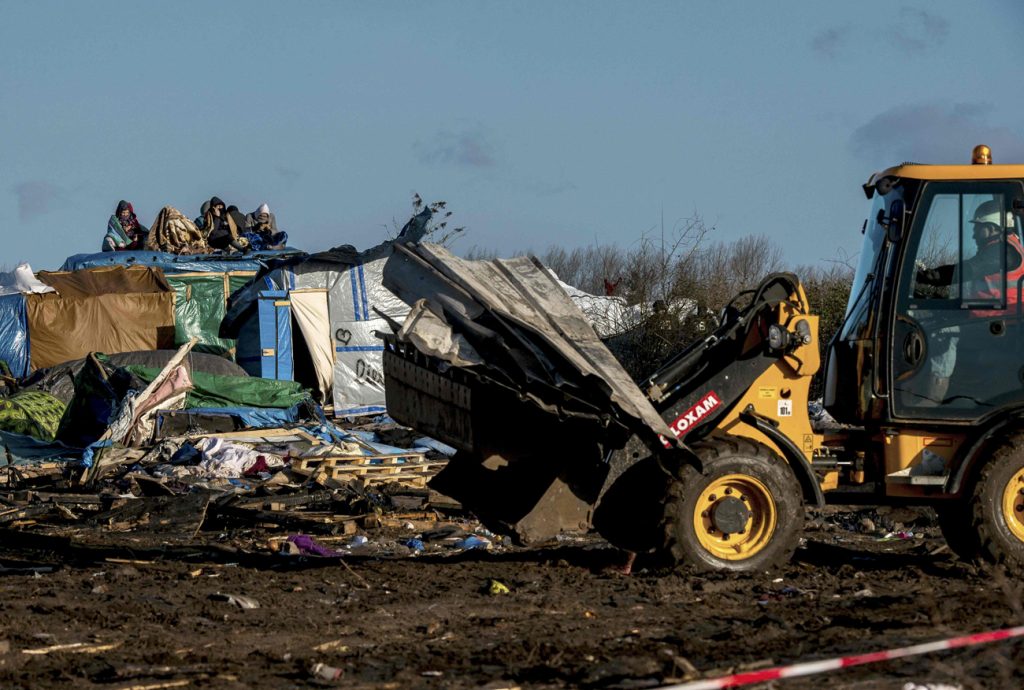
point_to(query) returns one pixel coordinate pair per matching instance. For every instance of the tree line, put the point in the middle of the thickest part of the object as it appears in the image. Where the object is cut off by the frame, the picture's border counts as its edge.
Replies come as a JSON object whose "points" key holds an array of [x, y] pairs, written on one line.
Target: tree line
{"points": [[680, 280]]}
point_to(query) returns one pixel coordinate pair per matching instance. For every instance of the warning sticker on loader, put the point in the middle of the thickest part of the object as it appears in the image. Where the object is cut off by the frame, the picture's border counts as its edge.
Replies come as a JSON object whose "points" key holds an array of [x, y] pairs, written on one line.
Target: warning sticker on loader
{"points": [[766, 392], [785, 408]]}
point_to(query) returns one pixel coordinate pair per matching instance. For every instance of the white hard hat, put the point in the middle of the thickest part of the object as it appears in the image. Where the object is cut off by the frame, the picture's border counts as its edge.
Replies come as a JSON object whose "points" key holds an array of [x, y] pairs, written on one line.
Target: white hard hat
{"points": [[991, 212]]}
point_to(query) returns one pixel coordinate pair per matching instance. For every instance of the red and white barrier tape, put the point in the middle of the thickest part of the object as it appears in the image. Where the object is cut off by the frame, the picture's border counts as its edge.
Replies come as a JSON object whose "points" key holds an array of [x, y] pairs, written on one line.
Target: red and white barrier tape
{"points": [[812, 667]]}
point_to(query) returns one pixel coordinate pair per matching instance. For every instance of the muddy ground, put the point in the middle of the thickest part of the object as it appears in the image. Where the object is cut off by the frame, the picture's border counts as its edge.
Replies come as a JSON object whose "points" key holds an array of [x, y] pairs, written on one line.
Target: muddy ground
{"points": [[387, 619]]}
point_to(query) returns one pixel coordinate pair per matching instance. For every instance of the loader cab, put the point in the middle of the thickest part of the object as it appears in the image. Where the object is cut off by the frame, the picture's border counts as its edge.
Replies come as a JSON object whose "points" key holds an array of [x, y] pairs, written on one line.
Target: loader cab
{"points": [[934, 326]]}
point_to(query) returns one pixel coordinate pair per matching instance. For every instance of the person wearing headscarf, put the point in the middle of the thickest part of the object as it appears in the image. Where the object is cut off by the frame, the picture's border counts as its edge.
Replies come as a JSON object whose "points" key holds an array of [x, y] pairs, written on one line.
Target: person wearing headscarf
{"points": [[124, 232], [261, 230]]}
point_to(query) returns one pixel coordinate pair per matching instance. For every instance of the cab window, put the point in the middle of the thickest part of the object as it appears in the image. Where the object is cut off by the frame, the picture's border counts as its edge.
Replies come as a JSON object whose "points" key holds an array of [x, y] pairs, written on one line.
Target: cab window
{"points": [[957, 348]]}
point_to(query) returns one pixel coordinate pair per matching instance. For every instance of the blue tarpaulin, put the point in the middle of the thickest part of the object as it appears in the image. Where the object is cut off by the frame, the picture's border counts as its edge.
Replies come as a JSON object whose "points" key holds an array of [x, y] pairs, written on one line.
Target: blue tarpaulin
{"points": [[25, 450], [174, 263], [14, 346], [247, 417]]}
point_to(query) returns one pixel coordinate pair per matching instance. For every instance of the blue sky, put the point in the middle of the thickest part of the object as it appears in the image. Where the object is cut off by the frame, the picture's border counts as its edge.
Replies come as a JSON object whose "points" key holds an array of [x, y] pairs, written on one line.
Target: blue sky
{"points": [[540, 123]]}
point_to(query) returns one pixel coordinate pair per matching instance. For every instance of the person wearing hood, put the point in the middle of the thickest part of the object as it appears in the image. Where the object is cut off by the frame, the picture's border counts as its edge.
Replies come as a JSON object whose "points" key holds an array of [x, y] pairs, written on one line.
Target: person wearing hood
{"points": [[124, 232], [221, 225], [261, 230]]}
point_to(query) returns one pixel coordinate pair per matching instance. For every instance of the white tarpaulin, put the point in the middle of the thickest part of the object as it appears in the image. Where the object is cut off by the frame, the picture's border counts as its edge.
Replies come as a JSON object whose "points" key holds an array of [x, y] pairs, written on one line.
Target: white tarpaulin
{"points": [[309, 308], [358, 366], [22, 280]]}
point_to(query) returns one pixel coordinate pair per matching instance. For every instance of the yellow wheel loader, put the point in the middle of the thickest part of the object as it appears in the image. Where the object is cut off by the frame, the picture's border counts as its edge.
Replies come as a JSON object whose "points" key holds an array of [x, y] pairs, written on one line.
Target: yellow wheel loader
{"points": [[712, 460]]}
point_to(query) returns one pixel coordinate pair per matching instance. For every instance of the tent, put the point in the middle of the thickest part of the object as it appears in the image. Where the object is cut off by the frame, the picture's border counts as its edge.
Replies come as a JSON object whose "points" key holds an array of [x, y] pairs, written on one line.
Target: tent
{"points": [[313, 319]]}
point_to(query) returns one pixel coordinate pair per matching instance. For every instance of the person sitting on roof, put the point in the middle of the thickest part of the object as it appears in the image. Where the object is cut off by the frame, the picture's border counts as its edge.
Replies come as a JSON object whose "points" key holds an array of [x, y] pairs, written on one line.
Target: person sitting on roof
{"points": [[124, 232], [261, 230], [222, 226], [200, 221]]}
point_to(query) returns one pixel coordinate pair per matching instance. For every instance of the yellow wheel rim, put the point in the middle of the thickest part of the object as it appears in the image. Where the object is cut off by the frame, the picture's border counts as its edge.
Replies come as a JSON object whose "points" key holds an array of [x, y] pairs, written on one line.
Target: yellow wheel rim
{"points": [[756, 531], [1013, 504]]}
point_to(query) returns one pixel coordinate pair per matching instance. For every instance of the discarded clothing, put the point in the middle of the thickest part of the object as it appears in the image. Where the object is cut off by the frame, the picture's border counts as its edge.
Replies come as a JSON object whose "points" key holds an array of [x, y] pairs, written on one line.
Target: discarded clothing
{"points": [[261, 240], [226, 460], [307, 546]]}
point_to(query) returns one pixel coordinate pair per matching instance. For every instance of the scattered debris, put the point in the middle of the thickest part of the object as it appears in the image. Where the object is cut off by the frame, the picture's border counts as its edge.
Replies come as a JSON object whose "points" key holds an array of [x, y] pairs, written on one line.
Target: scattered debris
{"points": [[494, 588], [325, 672], [73, 648], [242, 602]]}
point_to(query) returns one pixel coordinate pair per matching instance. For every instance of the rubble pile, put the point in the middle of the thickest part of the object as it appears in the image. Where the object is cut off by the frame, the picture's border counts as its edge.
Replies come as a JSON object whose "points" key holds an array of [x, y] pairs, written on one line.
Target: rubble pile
{"points": [[137, 461]]}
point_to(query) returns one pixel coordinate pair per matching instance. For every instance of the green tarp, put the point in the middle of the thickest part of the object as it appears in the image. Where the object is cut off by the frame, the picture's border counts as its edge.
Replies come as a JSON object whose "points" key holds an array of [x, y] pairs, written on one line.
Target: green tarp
{"points": [[199, 301], [234, 391]]}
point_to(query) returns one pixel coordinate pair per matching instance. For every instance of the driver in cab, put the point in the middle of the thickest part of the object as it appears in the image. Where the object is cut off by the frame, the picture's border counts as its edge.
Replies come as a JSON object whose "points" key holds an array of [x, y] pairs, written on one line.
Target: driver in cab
{"points": [[982, 273], [982, 276]]}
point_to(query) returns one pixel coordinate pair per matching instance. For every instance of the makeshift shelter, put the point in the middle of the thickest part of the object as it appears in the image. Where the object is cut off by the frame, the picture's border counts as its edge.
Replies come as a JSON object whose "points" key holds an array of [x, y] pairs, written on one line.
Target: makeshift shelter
{"points": [[313, 319], [112, 309], [201, 283]]}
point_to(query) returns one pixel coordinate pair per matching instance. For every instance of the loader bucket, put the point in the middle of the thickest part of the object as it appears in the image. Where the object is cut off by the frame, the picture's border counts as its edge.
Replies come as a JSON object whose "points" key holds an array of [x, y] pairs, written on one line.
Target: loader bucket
{"points": [[496, 360]]}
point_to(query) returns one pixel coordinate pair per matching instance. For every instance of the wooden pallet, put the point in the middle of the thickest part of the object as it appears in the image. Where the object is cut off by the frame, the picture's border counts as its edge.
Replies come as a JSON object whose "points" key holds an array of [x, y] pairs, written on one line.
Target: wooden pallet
{"points": [[341, 471], [309, 465], [410, 469]]}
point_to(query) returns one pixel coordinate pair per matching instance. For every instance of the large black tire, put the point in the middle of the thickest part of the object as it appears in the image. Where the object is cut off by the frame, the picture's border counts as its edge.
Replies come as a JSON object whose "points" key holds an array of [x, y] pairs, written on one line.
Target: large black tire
{"points": [[774, 504], [997, 505], [958, 529]]}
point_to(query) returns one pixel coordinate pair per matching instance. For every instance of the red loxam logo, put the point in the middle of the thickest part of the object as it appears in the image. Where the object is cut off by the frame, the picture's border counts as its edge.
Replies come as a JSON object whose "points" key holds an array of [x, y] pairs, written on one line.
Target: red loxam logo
{"points": [[693, 415]]}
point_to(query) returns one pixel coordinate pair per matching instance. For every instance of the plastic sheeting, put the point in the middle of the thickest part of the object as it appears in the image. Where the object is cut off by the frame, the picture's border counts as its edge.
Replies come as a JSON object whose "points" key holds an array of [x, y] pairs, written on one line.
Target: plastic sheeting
{"points": [[358, 367], [14, 344], [21, 281], [354, 301], [358, 295], [58, 381], [174, 263], [241, 417], [199, 301], [25, 450], [99, 391], [234, 391], [106, 281], [309, 309], [63, 329]]}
